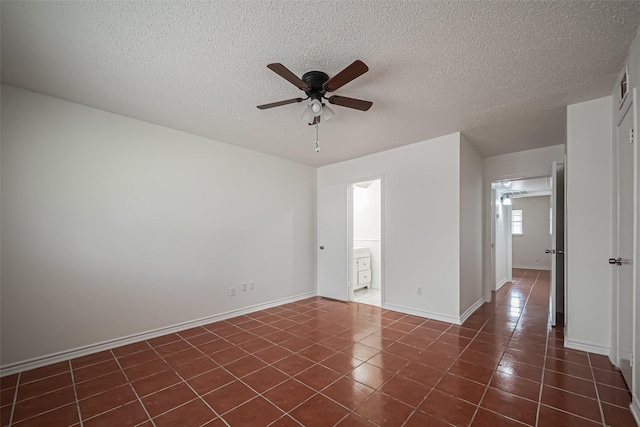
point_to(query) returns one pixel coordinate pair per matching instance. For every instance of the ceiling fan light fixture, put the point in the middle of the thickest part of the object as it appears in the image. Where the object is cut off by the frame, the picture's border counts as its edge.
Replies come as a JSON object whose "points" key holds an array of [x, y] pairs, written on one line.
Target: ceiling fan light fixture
{"points": [[327, 113], [308, 115], [315, 84], [316, 107]]}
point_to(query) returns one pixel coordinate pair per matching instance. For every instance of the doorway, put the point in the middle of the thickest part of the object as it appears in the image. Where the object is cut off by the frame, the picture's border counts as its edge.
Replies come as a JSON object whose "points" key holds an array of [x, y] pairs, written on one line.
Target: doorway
{"points": [[365, 246], [524, 226]]}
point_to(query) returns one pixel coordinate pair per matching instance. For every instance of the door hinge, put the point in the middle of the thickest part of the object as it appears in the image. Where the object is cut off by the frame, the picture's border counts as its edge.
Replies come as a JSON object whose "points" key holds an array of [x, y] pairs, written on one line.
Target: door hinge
{"points": [[631, 136], [631, 360]]}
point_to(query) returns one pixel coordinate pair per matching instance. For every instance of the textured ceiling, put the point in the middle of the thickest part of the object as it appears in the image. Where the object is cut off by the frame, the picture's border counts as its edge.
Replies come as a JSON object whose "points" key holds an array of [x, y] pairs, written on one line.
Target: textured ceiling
{"points": [[500, 72]]}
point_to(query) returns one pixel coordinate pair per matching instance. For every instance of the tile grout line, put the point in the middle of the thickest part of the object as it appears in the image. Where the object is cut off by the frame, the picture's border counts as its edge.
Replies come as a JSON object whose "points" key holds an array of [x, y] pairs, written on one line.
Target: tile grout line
{"points": [[287, 413], [445, 372], [477, 406], [199, 397], [239, 379], [510, 337], [595, 385], [268, 364], [544, 366], [30, 417], [396, 373], [478, 333], [259, 394], [75, 393], [132, 389], [15, 399], [359, 331], [486, 387]]}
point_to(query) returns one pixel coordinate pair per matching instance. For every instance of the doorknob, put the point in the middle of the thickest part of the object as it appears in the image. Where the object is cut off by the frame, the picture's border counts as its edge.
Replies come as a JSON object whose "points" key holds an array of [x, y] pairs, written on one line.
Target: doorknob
{"points": [[615, 261], [321, 247], [559, 252], [549, 251]]}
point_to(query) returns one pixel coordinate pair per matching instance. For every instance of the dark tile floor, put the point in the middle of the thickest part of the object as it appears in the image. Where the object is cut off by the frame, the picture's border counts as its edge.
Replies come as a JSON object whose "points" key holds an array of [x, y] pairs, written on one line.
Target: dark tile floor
{"points": [[323, 363]]}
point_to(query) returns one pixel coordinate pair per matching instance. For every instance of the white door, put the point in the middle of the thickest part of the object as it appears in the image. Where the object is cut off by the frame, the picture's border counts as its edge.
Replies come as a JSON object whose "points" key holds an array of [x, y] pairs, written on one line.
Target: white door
{"points": [[333, 267], [557, 242], [552, 251], [623, 242]]}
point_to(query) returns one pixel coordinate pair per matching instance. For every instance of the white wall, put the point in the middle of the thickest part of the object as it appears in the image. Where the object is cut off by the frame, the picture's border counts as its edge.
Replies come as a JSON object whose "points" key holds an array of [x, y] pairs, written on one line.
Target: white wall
{"points": [[523, 164], [421, 221], [530, 163], [113, 226], [366, 212], [470, 226], [367, 226], [528, 248], [588, 246]]}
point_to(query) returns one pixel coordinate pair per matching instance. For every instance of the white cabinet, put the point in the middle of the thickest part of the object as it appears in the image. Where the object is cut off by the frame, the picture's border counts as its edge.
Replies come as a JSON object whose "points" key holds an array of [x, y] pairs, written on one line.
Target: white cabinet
{"points": [[361, 268]]}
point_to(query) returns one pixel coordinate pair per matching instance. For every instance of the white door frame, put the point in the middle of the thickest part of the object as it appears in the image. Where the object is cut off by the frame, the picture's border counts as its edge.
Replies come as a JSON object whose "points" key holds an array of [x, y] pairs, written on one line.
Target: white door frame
{"points": [[350, 234], [488, 253], [558, 253]]}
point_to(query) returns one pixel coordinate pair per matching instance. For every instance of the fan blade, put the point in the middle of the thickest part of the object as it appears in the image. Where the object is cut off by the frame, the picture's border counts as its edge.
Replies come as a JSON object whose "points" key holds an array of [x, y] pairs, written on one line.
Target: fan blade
{"points": [[286, 74], [356, 69], [343, 101], [279, 103]]}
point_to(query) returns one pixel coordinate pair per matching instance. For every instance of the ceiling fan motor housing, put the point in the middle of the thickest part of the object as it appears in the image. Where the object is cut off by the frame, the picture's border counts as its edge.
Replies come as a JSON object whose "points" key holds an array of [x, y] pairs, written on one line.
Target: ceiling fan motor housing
{"points": [[316, 81]]}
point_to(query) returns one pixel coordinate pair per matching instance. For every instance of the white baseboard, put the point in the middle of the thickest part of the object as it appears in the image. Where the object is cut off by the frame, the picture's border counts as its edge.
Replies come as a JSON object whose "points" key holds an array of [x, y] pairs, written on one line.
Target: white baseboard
{"points": [[428, 314], [502, 283], [38, 362], [532, 267], [476, 305], [613, 362], [582, 346], [635, 410]]}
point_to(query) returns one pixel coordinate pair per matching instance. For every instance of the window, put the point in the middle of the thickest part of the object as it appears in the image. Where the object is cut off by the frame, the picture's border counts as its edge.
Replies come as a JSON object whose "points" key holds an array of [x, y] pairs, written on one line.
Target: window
{"points": [[516, 221]]}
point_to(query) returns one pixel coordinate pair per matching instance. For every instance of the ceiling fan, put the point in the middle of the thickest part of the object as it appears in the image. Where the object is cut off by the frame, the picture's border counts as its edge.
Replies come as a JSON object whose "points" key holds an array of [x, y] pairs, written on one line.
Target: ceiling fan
{"points": [[315, 85]]}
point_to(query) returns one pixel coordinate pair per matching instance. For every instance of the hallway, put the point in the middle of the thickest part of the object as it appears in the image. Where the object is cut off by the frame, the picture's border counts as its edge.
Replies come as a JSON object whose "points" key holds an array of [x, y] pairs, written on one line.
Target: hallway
{"points": [[319, 362]]}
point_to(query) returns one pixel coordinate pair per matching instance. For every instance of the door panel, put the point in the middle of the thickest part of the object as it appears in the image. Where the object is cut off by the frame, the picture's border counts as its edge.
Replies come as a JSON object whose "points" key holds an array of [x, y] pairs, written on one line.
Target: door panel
{"points": [[559, 223], [554, 190], [624, 276], [557, 243], [333, 267]]}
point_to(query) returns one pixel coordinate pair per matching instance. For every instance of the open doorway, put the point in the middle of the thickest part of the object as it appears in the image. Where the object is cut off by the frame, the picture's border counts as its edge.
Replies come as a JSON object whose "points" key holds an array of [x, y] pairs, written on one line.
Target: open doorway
{"points": [[366, 242], [522, 228]]}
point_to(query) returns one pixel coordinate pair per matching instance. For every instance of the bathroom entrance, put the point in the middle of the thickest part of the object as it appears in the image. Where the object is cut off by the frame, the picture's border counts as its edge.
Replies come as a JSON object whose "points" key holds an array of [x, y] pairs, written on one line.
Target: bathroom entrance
{"points": [[366, 242]]}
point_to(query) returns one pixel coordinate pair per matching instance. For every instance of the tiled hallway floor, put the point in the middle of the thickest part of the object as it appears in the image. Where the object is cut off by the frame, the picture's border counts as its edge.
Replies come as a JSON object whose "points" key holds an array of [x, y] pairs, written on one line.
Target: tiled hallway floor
{"points": [[322, 363]]}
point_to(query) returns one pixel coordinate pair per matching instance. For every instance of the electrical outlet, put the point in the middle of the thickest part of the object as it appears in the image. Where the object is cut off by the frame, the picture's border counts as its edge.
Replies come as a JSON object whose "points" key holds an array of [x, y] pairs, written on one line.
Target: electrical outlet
{"points": [[232, 291], [244, 286], [251, 285], [419, 290]]}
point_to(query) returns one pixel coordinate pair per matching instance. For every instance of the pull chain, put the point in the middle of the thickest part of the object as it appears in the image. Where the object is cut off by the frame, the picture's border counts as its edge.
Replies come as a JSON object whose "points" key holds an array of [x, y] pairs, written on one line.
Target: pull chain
{"points": [[317, 143]]}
